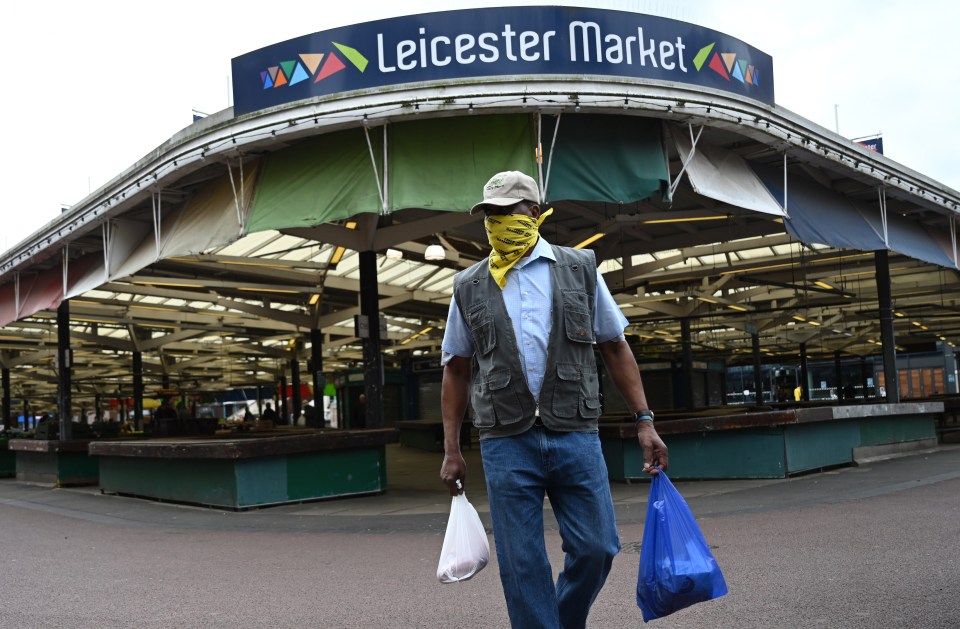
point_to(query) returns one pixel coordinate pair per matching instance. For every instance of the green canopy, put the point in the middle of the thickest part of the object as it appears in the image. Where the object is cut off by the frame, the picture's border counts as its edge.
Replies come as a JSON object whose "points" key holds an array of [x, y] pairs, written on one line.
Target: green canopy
{"points": [[598, 157], [321, 179], [443, 163]]}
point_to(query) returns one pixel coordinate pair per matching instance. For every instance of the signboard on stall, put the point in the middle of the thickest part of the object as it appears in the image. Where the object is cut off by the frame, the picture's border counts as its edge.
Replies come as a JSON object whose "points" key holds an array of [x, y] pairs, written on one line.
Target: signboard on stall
{"points": [[874, 144]]}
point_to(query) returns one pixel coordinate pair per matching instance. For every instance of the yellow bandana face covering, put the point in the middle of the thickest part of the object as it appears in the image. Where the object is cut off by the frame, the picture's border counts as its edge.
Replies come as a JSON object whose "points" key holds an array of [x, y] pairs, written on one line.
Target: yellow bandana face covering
{"points": [[510, 236]]}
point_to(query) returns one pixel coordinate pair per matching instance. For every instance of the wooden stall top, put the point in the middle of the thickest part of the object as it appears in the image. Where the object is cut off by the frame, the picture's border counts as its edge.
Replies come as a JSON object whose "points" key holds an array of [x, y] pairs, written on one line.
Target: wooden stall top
{"points": [[625, 428], [52, 446], [255, 445]]}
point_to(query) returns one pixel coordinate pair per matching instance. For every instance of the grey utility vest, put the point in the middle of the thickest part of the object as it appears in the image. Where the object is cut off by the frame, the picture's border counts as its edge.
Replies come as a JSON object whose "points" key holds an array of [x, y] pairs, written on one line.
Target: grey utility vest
{"points": [[570, 397]]}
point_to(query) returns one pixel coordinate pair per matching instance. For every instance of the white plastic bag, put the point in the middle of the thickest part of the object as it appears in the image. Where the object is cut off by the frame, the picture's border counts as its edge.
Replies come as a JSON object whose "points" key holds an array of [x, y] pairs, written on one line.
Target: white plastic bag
{"points": [[466, 549]]}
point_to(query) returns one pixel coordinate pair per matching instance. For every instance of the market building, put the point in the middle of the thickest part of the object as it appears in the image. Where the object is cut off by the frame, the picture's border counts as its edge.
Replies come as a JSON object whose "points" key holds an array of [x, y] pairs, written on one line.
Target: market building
{"points": [[302, 244]]}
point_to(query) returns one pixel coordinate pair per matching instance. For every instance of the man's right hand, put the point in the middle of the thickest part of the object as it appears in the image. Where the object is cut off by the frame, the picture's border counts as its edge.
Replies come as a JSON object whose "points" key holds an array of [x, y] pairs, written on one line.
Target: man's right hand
{"points": [[454, 469]]}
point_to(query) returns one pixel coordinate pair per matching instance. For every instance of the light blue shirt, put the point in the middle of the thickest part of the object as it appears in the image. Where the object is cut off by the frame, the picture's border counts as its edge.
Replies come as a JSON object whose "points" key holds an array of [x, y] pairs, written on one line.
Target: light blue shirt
{"points": [[527, 296]]}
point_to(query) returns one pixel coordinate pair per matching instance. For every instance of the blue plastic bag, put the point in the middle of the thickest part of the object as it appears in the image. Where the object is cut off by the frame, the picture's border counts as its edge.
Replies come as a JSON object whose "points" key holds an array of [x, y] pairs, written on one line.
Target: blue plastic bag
{"points": [[677, 568]]}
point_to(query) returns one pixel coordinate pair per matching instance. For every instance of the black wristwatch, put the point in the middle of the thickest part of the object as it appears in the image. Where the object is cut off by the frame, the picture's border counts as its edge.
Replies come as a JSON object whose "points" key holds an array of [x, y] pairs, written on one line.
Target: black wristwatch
{"points": [[645, 415]]}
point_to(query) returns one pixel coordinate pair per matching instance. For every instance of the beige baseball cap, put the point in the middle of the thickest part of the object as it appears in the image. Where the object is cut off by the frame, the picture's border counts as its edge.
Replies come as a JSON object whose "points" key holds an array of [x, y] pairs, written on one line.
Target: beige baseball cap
{"points": [[508, 188]]}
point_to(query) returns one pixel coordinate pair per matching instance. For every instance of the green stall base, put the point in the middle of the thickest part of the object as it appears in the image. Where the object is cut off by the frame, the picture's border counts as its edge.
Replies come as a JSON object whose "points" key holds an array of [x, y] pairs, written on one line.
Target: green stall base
{"points": [[769, 444], [885, 430], [56, 463], [247, 483], [255, 472], [8, 461]]}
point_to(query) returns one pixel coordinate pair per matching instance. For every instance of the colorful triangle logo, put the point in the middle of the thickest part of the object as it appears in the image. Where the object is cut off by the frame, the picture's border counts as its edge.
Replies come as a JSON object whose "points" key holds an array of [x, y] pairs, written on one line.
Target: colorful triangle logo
{"points": [[331, 66], [716, 64], [299, 74], [726, 64], [312, 61], [310, 64]]}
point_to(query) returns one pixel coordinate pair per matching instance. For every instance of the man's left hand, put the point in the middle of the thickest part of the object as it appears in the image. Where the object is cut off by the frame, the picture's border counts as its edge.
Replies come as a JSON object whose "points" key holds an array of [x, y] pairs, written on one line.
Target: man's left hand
{"points": [[654, 450]]}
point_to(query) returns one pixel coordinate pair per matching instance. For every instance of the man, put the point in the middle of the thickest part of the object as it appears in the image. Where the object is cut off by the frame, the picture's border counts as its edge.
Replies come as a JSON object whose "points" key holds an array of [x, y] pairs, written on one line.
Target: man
{"points": [[520, 335], [359, 416], [268, 414], [165, 411]]}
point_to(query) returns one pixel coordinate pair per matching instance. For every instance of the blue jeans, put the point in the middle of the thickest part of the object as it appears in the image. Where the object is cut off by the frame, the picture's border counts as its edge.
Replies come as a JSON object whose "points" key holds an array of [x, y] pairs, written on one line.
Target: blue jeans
{"points": [[570, 470]]}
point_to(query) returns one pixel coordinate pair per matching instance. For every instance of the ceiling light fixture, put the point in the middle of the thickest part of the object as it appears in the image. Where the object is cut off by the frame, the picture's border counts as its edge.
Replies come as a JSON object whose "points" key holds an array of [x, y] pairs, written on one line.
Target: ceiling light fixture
{"points": [[339, 251], [686, 219], [435, 252], [589, 240]]}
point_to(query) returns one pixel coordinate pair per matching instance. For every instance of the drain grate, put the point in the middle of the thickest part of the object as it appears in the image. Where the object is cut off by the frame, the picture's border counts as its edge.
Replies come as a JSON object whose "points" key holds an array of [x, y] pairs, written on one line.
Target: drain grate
{"points": [[633, 548]]}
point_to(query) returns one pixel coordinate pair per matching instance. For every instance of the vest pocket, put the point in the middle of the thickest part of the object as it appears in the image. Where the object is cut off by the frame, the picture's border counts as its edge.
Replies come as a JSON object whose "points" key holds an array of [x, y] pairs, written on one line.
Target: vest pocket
{"points": [[566, 395], [590, 394], [495, 400], [577, 319], [480, 321], [577, 391]]}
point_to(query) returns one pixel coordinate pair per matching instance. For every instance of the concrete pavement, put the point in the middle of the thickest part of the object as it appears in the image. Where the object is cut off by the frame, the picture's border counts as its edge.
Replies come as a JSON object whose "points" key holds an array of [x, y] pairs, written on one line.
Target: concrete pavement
{"points": [[869, 546]]}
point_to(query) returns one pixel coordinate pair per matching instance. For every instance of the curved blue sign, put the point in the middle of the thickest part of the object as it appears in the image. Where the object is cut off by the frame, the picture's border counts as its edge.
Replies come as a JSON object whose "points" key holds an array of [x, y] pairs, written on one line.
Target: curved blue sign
{"points": [[515, 41]]}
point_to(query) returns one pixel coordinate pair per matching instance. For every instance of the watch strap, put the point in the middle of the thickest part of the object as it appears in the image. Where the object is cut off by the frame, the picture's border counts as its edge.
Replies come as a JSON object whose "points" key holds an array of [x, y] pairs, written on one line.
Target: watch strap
{"points": [[645, 415]]}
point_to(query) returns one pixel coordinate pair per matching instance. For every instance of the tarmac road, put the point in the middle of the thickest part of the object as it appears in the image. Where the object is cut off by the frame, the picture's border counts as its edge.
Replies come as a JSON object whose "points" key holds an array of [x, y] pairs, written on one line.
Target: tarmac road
{"points": [[870, 546]]}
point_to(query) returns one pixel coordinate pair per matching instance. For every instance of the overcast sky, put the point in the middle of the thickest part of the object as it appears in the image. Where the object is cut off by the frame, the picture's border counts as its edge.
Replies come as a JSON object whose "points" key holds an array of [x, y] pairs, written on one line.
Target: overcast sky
{"points": [[91, 87]]}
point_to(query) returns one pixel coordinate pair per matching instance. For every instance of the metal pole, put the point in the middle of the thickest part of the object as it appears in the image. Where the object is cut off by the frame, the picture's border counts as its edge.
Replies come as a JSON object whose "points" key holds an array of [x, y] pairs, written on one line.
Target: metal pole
{"points": [[757, 376], [7, 416], [63, 368], [687, 350], [138, 390], [284, 418], [891, 379], [838, 375], [372, 358], [316, 370], [295, 385], [804, 384], [864, 376]]}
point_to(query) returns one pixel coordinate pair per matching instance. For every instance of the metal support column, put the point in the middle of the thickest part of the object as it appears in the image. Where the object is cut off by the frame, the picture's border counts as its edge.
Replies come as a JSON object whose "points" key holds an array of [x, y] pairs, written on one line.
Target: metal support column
{"points": [[885, 301], [295, 387], [687, 357], [316, 371], [757, 368], [64, 356], [138, 390], [804, 374], [372, 358], [864, 377], [7, 415], [838, 375], [282, 404]]}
